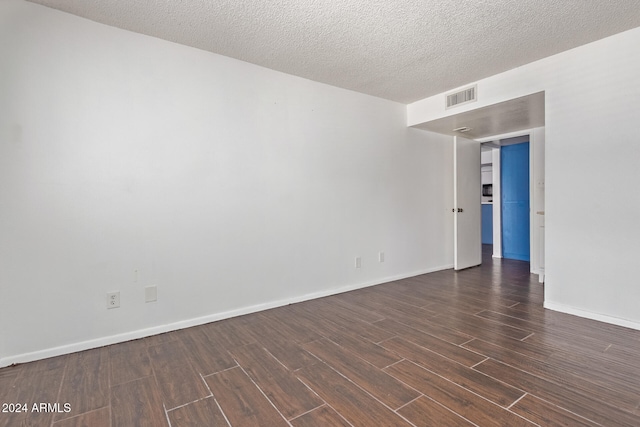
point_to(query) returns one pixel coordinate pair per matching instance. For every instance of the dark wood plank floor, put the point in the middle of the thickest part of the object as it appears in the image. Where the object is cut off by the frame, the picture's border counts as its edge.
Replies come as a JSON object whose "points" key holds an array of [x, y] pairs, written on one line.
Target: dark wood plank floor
{"points": [[442, 349]]}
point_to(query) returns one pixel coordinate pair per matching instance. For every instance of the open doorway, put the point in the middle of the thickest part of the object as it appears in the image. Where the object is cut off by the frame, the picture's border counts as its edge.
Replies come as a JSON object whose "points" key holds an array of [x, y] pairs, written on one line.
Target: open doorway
{"points": [[503, 120], [486, 172], [528, 202]]}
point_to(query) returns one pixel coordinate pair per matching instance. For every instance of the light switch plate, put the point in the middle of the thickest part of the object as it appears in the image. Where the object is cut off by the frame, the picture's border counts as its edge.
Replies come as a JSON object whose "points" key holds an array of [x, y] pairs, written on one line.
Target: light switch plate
{"points": [[151, 294]]}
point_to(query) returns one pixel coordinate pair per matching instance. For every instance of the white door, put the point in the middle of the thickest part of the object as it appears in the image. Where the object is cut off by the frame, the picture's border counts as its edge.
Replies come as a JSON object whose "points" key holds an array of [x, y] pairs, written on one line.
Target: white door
{"points": [[467, 194]]}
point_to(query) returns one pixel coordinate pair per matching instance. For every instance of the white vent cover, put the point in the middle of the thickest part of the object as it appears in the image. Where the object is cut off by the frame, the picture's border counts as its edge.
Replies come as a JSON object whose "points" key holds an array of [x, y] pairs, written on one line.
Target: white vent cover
{"points": [[462, 97]]}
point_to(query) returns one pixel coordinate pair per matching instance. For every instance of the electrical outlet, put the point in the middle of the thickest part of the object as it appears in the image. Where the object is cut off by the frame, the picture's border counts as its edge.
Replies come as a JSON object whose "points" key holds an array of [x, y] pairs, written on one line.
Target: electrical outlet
{"points": [[151, 294], [113, 299], [381, 256], [358, 262]]}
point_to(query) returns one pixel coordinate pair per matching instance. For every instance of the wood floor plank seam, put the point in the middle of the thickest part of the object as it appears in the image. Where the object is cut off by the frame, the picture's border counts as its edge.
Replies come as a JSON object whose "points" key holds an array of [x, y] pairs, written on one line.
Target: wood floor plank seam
{"points": [[566, 377], [215, 373], [430, 343], [428, 328], [513, 318], [188, 403], [358, 389], [606, 370], [131, 380], [524, 350], [450, 410], [559, 407], [363, 389], [409, 402], [242, 401], [166, 414], [371, 352], [405, 418], [573, 391], [488, 402], [214, 398], [270, 354], [223, 414], [320, 417], [518, 400], [386, 339], [279, 384], [463, 387], [467, 388], [265, 396], [479, 363], [306, 412], [391, 364], [482, 326], [325, 402], [372, 380], [466, 342], [528, 336]]}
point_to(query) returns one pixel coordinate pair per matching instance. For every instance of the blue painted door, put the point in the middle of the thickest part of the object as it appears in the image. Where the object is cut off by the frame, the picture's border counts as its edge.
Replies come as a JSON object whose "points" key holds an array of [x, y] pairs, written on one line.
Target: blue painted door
{"points": [[514, 163], [487, 224]]}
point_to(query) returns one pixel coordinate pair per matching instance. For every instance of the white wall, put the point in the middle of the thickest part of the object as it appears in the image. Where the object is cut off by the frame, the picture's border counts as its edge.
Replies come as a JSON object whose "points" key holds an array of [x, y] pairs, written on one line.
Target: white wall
{"points": [[537, 180], [592, 175], [497, 205], [128, 161]]}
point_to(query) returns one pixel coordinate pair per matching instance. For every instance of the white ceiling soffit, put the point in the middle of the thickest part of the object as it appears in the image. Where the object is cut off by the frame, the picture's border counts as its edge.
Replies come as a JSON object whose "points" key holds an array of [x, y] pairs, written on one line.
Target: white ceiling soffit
{"points": [[402, 50], [526, 112]]}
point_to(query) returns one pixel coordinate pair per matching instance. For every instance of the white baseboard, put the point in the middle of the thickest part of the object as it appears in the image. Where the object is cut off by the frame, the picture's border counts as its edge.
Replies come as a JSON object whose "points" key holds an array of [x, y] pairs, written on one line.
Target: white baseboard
{"points": [[142, 333], [537, 271], [591, 315]]}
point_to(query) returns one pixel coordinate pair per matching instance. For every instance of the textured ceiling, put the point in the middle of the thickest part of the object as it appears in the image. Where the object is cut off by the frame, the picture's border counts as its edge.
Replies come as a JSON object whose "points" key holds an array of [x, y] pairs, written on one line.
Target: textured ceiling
{"points": [[402, 50]]}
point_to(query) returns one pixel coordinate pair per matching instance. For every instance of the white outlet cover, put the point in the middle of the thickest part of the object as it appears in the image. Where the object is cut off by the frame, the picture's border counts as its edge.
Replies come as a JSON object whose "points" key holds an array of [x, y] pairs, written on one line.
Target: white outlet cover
{"points": [[113, 299], [151, 294]]}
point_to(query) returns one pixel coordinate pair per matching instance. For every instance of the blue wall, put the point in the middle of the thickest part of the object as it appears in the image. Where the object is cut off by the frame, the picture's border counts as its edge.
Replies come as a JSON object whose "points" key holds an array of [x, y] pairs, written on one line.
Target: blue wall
{"points": [[514, 164], [487, 224]]}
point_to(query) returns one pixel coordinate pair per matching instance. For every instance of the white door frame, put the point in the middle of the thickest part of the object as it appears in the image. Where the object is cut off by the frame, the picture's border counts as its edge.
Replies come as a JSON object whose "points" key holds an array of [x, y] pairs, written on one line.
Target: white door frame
{"points": [[536, 197]]}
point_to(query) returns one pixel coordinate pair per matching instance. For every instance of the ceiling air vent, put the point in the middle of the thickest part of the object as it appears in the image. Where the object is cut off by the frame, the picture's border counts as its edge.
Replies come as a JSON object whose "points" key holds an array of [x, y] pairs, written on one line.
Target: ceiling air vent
{"points": [[463, 129], [462, 97]]}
